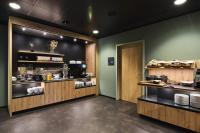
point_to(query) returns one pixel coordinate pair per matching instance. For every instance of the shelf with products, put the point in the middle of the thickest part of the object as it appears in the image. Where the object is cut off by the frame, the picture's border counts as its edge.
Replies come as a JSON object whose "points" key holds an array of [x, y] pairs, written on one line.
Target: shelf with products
{"points": [[47, 62], [27, 89], [39, 57], [168, 86], [177, 64], [40, 53], [153, 68]]}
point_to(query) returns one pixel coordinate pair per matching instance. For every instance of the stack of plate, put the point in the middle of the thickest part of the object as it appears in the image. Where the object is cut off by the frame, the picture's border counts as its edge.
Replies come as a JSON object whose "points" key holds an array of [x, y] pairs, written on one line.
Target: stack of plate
{"points": [[181, 99], [195, 100]]}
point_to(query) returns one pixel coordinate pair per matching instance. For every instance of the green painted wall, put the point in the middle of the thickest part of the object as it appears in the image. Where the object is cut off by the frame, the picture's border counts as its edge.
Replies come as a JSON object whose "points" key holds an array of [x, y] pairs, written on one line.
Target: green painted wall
{"points": [[177, 38], [3, 65]]}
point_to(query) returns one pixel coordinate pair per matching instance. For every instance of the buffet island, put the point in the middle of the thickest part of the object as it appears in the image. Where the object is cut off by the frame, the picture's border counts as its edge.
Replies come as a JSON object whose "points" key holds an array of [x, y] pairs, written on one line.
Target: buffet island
{"points": [[172, 93]]}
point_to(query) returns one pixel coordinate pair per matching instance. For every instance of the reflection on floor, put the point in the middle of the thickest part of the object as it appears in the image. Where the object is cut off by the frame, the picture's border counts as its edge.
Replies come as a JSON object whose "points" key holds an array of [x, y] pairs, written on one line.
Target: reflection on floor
{"points": [[86, 115]]}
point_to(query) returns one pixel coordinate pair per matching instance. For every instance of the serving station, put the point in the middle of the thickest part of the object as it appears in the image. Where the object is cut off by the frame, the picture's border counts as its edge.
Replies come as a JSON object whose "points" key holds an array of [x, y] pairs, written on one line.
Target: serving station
{"points": [[48, 65], [172, 93]]}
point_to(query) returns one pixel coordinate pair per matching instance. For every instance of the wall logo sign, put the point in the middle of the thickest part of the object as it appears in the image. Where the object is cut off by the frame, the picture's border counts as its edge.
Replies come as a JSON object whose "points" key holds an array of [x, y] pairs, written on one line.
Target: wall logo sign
{"points": [[111, 61]]}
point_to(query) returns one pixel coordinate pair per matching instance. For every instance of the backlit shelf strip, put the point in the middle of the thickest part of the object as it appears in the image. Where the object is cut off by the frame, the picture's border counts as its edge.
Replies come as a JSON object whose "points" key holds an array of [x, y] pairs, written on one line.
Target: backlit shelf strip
{"points": [[24, 61], [152, 68], [37, 52], [173, 87]]}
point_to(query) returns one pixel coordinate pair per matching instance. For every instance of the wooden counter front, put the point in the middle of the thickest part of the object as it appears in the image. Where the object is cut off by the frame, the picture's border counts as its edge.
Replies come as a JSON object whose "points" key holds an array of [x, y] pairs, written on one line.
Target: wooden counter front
{"points": [[179, 117], [54, 92], [24, 103]]}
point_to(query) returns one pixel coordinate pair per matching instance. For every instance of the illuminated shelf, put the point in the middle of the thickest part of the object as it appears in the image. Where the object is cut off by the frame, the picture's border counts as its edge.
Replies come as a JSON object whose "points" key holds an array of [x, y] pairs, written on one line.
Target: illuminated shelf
{"points": [[173, 87], [153, 68], [38, 52], [48, 62]]}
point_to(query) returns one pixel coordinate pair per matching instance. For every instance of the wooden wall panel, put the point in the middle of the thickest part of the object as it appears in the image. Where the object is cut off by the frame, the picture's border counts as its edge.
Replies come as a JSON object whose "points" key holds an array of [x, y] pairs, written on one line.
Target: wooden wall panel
{"points": [[97, 64], [10, 67], [174, 74], [90, 58]]}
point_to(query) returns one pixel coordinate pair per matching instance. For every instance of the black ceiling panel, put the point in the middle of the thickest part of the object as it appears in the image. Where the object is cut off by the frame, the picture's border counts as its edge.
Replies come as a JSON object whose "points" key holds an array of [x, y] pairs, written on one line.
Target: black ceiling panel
{"points": [[108, 16]]}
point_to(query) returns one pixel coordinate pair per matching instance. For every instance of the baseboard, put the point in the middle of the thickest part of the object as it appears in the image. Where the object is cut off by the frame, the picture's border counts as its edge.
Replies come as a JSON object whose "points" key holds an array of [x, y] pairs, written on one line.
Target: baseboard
{"points": [[107, 96], [1, 107]]}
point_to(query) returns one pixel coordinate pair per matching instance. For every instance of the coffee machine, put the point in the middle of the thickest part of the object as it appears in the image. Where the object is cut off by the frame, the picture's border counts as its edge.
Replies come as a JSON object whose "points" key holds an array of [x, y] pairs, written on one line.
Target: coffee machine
{"points": [[77, 70], [197, 78]]}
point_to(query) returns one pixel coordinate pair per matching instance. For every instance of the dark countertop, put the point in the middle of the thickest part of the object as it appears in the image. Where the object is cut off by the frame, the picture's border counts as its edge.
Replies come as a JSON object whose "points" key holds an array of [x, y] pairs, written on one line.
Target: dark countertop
{"points": [[57, 80], [170, 103], [171, 86]]}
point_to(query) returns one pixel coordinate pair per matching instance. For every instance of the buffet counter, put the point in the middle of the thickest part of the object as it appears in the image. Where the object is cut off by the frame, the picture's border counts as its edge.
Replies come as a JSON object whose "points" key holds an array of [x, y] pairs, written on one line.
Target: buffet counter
{"points": [[53, 80], [55, 91], [167, 111]]}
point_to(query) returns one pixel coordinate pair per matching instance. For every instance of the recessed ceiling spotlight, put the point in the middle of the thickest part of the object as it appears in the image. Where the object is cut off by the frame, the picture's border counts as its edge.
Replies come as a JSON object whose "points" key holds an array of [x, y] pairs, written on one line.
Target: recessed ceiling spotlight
{"points": [[24, 29], [179, 2], [44, 33], [75, 40], [14, 5], [86, 42], [61, 37], [95, 32]]}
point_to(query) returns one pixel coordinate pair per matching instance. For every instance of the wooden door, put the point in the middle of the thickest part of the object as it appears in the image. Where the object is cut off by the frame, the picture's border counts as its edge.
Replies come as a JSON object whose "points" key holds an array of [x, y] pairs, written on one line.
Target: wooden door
{"points": [[131, 71]]}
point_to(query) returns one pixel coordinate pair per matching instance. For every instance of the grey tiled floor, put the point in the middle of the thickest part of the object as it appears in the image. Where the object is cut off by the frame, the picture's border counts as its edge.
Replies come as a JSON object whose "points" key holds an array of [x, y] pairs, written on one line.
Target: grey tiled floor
{"points": [[95, 114]]}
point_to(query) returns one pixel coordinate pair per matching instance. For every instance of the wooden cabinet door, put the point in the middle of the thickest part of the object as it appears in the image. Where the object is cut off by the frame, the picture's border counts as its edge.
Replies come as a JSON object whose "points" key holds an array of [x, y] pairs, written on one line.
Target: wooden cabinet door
{"points": [[198, 122], [53, 92], [193, 121], [90, 90], [72, 89], [27, 103], [67, 90], [57, 86], [80, 92], [140, 107], [172, 115], [152, 110], [48, 93], [161, 112]]}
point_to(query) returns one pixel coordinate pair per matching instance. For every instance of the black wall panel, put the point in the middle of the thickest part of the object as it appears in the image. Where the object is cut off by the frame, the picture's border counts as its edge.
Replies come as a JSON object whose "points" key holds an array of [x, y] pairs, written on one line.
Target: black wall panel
{"points": [[71, 50]]}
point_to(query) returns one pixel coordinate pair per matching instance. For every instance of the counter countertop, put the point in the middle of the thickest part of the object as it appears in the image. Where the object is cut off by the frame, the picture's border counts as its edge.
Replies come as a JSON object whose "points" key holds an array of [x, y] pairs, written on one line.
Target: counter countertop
{"points": [[56, 80], [170, 103], [175, 87]]}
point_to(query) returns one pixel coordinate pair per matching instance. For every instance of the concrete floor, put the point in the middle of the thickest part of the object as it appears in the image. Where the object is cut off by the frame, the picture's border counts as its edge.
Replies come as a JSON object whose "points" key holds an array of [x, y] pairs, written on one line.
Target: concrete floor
{"points": [[86, 115]]}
